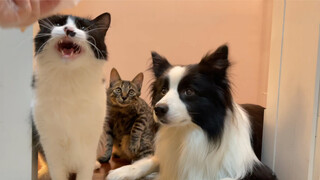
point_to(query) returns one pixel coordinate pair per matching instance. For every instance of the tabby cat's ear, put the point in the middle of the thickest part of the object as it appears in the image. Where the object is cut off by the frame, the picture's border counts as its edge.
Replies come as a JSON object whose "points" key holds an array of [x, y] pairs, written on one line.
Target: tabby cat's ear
{"points": [[114, 76], [138, 80]]}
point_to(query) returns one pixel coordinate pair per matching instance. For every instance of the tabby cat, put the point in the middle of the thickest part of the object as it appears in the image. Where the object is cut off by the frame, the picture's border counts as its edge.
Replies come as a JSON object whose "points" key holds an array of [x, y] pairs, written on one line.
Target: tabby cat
{"points": [[129, 126]]}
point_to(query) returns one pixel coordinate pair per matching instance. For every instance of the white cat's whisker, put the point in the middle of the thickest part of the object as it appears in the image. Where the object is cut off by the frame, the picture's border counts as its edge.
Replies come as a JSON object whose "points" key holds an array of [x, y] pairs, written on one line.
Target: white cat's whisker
{"points": [[45, 44], [48, 20], [92, 39], [43, 35], [96, 49], [96, 29], [89, 27], [45, 24]]}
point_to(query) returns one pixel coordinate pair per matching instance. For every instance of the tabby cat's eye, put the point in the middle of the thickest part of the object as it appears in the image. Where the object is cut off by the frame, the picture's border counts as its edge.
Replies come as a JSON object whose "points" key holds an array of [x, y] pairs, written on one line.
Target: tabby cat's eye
{"points": [[164, 91], [82, 28], [131, 92], [57, 24], [118, 90]]}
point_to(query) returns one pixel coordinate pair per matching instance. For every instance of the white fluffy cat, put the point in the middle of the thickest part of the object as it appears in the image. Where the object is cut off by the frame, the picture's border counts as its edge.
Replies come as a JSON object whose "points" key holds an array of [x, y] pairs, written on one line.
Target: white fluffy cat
{"points": [[70, 96]]}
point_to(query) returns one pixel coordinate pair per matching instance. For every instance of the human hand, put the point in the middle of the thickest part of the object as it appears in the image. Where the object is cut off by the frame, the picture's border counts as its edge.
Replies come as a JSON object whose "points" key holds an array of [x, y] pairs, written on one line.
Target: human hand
{"points": [[20, 13]]}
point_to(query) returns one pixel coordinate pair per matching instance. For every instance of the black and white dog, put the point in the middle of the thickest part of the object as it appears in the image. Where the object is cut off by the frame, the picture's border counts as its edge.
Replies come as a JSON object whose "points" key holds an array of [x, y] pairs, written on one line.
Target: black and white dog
{"points": [[205, 135]]}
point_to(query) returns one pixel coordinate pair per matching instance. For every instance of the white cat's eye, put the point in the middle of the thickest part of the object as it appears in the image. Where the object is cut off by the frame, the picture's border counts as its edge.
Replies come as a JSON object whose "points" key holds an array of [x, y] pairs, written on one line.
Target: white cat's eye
{"points": [[82, 28], [57, 24]]}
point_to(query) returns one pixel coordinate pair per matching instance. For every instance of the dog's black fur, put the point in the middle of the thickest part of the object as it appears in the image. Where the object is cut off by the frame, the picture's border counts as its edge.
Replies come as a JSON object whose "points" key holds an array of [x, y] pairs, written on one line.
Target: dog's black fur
{"points": [[210, 99]]}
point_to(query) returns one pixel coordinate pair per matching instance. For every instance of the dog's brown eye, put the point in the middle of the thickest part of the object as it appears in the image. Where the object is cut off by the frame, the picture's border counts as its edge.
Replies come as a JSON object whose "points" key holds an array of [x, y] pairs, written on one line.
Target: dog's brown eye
{"points": [[164, 91], [189, 92]]}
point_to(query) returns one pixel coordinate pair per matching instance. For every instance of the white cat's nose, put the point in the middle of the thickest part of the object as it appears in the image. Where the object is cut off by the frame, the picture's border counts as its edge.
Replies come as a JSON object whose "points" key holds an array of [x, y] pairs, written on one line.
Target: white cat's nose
{"points": [[69, 31], [68, 28]]}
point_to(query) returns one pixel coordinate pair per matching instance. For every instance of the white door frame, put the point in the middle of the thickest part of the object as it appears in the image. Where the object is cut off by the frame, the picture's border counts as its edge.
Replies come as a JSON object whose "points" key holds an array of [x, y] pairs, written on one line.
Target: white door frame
{"points": [[291, 116], [15, 96]]}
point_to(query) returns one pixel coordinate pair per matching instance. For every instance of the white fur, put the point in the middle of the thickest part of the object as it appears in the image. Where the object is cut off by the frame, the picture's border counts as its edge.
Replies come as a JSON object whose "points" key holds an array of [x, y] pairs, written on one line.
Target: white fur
{"points": [[137, 170], [177, 113], [58, 31], [69, 109], [184, 153]]}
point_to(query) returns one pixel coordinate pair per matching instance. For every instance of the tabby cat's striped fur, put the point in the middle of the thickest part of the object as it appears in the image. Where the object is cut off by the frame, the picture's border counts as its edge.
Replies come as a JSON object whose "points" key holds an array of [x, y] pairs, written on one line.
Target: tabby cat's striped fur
{"points": [[130, 126]]}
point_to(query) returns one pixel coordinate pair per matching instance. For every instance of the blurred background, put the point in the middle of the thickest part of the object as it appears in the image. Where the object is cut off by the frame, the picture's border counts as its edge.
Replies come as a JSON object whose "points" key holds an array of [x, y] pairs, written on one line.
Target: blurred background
{"points": [[274, 50], [183, 32]]}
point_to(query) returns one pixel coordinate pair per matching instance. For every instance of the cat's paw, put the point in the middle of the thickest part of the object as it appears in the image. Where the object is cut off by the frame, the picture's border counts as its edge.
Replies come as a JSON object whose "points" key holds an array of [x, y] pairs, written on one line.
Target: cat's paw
{"points": [[97, 165], [134, 147], [122, 173]]}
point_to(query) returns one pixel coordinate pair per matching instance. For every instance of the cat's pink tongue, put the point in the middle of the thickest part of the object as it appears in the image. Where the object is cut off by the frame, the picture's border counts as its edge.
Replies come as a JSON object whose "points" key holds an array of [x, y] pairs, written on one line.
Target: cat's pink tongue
{"points": [[67, 52]]}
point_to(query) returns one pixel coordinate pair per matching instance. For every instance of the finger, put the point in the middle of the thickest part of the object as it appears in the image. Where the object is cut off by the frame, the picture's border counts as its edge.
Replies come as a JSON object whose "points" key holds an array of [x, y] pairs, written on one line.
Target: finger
{"points": [[27, 18], [23, 4], [46, 6], [35, 5]]}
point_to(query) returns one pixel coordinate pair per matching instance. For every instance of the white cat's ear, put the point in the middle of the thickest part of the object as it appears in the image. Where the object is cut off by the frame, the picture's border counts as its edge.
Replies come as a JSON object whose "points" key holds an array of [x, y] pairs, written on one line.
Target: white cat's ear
{"points": [[114, 76], [138, 80], [103, 21]]}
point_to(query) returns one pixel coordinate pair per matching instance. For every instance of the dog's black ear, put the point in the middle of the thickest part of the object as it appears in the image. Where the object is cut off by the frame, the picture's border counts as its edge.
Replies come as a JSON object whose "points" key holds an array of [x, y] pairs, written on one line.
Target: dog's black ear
{"points": [[218, 59], [114, 76], [159, 64]]}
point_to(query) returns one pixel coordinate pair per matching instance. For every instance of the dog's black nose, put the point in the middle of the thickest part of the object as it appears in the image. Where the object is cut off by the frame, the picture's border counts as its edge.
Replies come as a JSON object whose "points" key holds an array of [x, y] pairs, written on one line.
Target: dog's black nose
{"points": [[161, 109]]}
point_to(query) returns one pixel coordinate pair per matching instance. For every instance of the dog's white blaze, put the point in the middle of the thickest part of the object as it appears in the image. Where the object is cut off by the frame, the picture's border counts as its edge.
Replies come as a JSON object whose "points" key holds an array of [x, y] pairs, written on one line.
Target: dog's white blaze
{"points": [[177, 112]]}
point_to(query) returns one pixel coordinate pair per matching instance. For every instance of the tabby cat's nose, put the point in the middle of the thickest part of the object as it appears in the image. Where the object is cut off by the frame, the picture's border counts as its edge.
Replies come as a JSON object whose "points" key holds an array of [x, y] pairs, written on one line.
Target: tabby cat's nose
{"points": [[161, 109]]}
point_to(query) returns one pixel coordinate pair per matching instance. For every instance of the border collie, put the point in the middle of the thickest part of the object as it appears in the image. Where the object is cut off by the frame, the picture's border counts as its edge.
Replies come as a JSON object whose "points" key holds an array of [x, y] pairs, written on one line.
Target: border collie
{"points": [[204, 135]]}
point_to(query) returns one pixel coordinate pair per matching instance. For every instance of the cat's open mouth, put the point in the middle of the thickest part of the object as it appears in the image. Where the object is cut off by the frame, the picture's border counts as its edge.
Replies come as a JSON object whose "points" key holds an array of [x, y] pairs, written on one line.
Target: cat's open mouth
{"points": [[68, 48]]}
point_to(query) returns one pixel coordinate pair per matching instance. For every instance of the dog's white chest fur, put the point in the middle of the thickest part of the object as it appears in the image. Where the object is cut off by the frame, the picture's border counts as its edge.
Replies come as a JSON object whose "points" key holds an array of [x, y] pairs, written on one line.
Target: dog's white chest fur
{"points": [[182, 152], [185, 153], [69, 112]]}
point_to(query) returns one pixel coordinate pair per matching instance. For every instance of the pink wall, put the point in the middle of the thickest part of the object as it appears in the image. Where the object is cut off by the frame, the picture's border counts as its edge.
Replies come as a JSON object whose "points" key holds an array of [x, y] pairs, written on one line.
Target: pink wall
{"points": [[183, 31]]}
